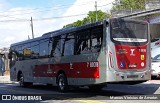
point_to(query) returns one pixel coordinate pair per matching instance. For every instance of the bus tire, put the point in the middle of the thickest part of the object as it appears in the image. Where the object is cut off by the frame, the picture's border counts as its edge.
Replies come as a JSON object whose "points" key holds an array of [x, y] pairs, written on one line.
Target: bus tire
{"points": [[62, 83], [153, 77], [96, 87], [22, 83]]}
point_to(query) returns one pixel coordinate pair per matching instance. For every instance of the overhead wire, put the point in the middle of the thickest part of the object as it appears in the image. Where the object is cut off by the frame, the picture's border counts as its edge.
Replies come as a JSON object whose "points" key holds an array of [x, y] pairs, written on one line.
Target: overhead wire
{"points": [[59, 6], [51, 8], [49, 18], [24, 20], [106, 4]]}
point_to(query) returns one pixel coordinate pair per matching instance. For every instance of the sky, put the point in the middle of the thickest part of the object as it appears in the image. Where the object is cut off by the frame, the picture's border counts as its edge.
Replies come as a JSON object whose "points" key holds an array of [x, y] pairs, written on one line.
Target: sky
{"points": [[48, 15]]}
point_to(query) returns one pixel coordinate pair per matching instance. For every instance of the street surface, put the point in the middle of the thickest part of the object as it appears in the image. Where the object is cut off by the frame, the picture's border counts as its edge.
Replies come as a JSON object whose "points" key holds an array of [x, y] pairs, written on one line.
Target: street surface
{"points": [[84, 95]]}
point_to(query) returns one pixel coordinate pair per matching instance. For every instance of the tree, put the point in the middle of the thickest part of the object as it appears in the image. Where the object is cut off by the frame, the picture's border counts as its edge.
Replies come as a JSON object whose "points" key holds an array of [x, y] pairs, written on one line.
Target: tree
{"points": [[89, 19], [129, 4]]}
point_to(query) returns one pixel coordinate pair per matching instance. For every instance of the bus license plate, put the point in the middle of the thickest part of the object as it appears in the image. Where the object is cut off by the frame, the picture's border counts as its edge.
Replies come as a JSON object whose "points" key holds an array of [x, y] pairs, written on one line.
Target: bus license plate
{"points": [[132, 76]]}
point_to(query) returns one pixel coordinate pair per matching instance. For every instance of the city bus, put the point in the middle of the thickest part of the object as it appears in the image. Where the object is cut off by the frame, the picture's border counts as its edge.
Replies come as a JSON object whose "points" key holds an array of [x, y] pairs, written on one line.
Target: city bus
{"points": [[114, 50]]}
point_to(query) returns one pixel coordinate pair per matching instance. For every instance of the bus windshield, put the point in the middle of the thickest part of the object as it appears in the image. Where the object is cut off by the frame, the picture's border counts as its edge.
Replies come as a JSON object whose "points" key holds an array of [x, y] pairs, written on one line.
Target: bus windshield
{"points": [[128, 32]]}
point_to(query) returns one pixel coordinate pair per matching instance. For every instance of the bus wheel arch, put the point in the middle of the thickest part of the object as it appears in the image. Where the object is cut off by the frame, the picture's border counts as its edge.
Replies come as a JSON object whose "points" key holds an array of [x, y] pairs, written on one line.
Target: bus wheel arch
{"points": [[58, 73], [20, 78], [62, 81]]}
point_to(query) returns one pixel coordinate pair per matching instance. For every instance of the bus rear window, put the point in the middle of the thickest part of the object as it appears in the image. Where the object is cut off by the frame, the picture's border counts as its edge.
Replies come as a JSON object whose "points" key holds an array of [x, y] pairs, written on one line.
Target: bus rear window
{"points": [[128, 31]]}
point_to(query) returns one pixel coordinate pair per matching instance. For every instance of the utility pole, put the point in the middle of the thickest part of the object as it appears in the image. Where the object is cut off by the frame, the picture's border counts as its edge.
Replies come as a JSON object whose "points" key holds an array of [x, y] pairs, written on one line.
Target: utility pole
{"points": [[96, 11], [131, 10], [90, 20], [28, 37], [32, 28]]}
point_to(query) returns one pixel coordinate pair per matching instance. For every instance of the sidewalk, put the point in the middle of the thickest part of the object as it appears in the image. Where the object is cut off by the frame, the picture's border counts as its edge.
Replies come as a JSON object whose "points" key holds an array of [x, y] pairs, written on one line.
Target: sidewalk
{"points": [[5, 79]]}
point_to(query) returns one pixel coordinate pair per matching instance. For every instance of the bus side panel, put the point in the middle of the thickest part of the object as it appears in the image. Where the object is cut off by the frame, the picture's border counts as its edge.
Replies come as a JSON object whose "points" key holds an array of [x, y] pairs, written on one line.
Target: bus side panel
{"points": [[72, 70]]}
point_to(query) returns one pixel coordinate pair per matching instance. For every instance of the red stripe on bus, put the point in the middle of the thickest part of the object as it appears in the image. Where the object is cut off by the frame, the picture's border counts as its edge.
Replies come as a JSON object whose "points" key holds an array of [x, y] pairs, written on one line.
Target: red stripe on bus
{"points": [[72, 70]]}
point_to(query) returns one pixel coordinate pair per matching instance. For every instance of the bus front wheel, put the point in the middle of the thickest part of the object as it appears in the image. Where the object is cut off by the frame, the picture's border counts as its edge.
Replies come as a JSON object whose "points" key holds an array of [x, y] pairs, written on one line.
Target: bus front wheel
{"points": [[62, 83], [22, 83]]}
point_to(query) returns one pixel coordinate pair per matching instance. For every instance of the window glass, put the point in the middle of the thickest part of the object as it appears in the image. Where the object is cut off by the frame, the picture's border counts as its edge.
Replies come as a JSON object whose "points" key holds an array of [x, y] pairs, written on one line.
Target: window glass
{"points": [[157, 57], [89, 41], [83, 42], [44, 49], [35, 49], [25, 46], [26, 51], [56, 47], [69, 45], [127, 32], [96, 39], [19, 52], [19, 47], [16, 49], [14, 54], [50, 46]]}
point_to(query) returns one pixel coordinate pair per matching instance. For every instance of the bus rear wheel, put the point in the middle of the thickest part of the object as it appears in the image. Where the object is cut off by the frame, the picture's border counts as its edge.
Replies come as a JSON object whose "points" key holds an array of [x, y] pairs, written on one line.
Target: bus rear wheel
{"points": [[62, 83]]}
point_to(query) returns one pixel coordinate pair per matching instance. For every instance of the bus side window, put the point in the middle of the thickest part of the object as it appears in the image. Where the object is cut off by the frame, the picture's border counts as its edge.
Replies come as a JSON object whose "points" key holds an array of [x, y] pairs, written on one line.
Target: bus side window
{"points": [[96, 39], [69, 45], [35, 50], [56, 47], [18, 52], [44, 48], [85, 47], [83, 42], [26, 51]]}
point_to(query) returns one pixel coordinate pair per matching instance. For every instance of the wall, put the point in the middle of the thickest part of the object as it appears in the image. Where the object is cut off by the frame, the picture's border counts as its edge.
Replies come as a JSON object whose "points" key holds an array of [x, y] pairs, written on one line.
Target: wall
{"points": [[155, 30]]}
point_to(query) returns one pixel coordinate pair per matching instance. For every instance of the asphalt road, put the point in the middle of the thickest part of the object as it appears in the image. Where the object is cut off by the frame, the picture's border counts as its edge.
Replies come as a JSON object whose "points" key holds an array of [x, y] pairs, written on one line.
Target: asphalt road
{"points": [[113, 93]]}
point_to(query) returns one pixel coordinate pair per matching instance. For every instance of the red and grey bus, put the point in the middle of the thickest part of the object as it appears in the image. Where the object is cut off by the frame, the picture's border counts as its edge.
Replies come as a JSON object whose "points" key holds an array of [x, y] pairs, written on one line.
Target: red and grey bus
{"points": [[110, 51]]}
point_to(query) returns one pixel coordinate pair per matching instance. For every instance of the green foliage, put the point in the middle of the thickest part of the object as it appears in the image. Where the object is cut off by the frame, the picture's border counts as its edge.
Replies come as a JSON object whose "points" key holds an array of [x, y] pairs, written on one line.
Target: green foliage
{"points": [[89, 19], [128, 4]]}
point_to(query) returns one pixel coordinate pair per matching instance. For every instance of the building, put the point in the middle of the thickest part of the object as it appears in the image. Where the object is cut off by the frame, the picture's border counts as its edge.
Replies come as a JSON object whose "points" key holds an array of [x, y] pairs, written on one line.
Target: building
{"points": [[4, 57], [150, 14]]}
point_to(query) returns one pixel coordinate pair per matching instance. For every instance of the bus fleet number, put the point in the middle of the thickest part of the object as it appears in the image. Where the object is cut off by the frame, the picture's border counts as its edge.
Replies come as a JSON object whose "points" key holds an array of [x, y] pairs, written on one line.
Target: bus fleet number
{"points": [[93, 64]]}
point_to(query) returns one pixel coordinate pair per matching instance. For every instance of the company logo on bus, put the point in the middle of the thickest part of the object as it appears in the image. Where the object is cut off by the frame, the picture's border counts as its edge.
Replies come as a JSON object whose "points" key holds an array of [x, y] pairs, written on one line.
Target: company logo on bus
{"points": [[132, 52]]}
